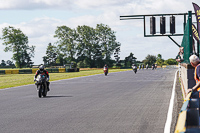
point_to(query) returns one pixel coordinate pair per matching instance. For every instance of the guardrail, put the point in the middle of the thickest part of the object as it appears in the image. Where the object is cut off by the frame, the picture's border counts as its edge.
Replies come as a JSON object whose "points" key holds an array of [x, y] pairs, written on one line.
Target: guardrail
{"points": [[31, 71], [188, 119]]}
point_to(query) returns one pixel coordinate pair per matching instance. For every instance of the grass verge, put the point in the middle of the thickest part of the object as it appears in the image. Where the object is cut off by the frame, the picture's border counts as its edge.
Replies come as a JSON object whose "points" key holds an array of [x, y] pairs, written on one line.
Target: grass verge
{"points": [[14, 80]]}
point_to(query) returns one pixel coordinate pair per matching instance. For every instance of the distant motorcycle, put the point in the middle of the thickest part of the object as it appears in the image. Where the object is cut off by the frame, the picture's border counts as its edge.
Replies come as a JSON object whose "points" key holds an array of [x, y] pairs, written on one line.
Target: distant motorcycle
{"points": [[147, 66], [134, 68], [153, 67], [41, 85], [139, 67], [105, 71]]}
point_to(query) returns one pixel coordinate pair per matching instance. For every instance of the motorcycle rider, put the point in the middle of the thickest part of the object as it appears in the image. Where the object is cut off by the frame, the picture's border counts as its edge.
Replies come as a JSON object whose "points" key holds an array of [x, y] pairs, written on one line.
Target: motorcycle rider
{"points": [[42, 71], [139, 67], [105, 67], [147, 66], [153, 66], [142, 66], [134, 67]]}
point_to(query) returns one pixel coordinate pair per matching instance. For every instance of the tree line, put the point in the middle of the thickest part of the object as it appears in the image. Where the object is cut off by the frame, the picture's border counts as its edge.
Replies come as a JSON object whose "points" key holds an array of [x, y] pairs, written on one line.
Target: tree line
{"points": [[86, 46], [83, 46]]}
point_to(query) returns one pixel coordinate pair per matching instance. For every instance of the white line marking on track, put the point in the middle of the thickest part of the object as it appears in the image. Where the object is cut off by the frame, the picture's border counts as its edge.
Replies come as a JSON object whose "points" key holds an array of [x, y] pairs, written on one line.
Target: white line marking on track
{"points": [[170, 110]]}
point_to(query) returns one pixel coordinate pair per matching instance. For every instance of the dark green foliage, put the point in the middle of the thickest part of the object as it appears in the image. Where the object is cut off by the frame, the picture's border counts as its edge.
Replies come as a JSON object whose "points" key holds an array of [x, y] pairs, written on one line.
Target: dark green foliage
{"points": [[87, 46], [150, 59], [17, 42], [129, 60]]}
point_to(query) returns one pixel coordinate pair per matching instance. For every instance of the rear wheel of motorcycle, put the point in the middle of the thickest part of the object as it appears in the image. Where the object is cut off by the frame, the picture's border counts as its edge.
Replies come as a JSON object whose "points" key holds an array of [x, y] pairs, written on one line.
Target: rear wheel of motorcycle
{"points": [[39, 91]]}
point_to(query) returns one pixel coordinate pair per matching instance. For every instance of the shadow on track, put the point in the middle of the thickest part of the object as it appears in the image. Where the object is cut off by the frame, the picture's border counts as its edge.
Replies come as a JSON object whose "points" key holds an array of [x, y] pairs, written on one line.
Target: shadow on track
{"points": [[57, 96]]}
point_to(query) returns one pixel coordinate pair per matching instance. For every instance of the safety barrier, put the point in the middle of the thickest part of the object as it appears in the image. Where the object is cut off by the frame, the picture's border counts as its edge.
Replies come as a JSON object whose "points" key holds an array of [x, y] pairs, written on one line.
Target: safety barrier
{"points": [[53, 70], [30, 71], [188, 119], [25, 71], [2, 72], [14, 71], [61, 70]]}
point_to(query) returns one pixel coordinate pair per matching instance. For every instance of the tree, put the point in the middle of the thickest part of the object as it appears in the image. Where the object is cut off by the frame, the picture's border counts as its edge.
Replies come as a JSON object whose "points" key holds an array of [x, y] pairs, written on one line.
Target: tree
{"points": [[60, 60], [3, 63], [129, 60], [45, 60], [159, 56], [171, 62], [107, 41], [51, 54], [10, 63], [87, 44], [159, 60], [17, 42], [150, 59], [67, 41], [116, 54]]}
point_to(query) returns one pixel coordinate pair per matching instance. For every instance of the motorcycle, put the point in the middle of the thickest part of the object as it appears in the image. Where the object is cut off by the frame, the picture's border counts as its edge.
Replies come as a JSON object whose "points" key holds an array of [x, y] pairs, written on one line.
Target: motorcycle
{"points": [[153, 67], [147, 66], [105, 71], [134, 68], [41, 85], [139, 67]]}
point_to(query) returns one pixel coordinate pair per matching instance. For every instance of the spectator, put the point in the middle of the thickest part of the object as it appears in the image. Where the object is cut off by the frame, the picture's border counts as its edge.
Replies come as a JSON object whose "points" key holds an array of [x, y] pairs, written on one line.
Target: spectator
{"points": [[195, 62], [179, 57]]}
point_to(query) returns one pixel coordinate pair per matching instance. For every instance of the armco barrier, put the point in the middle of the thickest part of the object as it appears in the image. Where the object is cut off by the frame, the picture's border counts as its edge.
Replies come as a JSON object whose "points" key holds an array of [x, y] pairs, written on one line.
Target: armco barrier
{"points": [[2, 72], [61, 70], [53, 70], [72, 70], [12, 71], [25, 71], [188, 119], [32, 71]]}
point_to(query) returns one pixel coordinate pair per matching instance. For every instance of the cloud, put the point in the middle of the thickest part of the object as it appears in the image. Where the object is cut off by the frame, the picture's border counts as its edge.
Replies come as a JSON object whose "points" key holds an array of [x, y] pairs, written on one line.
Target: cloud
{"points": [[35, 4], [40, 28]]}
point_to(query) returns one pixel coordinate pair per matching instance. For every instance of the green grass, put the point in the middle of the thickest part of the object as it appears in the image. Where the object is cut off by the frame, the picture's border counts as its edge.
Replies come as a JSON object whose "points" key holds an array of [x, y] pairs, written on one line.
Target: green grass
{"points": [[14, 80]]}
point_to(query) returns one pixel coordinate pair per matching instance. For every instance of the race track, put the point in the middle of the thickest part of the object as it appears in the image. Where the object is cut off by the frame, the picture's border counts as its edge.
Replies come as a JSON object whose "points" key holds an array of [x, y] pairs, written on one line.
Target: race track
{"points": [[121, 102]]}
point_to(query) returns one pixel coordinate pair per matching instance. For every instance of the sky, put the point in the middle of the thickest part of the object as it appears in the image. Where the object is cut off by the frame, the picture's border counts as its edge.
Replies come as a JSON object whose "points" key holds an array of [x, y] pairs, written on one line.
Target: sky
{"points": [[38, 19]]}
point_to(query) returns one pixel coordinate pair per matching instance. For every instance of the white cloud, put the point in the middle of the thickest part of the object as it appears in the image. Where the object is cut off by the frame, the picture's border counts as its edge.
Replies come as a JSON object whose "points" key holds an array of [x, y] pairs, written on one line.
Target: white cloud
{"points": [[40, 30]]}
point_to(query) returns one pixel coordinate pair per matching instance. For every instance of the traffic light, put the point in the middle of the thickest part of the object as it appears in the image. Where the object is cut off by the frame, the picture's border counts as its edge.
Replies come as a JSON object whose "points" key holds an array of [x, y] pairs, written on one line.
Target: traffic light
{"points": [[172, 25], [162, 25], [152, 25]]}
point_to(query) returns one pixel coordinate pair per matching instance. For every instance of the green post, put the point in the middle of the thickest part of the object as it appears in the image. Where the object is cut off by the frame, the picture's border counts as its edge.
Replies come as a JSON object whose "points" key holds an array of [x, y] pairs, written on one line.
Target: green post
{"points": [[187, 39], [190, 31]]}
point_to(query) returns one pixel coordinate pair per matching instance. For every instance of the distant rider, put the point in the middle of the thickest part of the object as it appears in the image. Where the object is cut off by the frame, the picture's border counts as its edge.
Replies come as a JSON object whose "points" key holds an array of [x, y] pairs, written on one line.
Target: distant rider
{"points": [[134, 66], [153, 66], [42, 71], [147, 66], [139, 67], [105, 67]]}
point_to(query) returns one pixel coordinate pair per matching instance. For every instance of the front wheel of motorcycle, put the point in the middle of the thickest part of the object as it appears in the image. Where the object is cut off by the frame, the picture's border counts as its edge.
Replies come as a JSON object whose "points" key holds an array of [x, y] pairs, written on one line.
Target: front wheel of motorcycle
{"points": [[44, 93], [105, 73], [39, 89]]}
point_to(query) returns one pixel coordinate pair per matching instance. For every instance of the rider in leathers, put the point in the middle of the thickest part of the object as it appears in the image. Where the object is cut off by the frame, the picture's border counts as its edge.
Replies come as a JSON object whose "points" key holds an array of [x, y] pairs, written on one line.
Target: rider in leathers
{"points": [[42, 71]]}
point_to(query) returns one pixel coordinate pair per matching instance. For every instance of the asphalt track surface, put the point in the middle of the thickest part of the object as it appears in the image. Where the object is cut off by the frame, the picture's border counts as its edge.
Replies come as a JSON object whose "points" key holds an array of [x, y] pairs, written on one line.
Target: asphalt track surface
{"points": [[121, 102]]}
